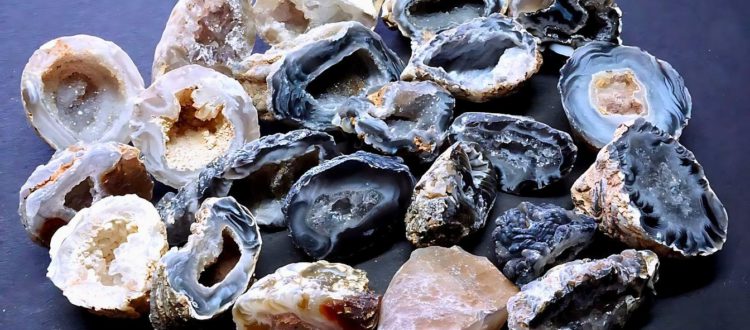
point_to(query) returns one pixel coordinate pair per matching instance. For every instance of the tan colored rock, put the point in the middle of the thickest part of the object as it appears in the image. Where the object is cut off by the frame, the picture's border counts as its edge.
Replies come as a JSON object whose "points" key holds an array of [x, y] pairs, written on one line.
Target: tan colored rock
{"points": [[446, 288]]}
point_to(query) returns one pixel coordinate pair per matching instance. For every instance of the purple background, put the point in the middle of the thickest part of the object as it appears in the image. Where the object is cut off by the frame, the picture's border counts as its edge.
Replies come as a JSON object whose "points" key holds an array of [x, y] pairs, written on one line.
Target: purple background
{"points": [[707, 41]]}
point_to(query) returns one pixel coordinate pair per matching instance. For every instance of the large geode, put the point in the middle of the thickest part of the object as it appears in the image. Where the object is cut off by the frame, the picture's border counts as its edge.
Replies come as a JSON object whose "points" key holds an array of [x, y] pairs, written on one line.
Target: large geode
{"points": [[349, 204], [527, 154], [586, 294], [530, 238], [188, 118], [569, 23], [479, 60], [604, 85], [422, 19], [205, 277], [402, 118], [218, 34], [453, 199], [80, 89], [302, 81], [307, 296], [259, 175], [648, 191], [74, 179]]}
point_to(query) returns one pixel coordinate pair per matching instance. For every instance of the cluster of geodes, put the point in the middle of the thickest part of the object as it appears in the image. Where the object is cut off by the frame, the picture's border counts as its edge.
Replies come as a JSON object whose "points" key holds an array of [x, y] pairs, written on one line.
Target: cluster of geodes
{"points": [[357, 125]]}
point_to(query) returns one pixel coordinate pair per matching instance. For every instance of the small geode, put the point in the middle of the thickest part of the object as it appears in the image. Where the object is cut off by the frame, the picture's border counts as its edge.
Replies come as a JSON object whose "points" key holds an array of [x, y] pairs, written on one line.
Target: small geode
{"points": [[307, 296], [482, 59], [528, 155], [402, 118], [74, 179], [586, 294], [202, 279], [648, 191], [301, 82], [80, 89], [453, 199], [189, 117], [529, 239], [259, 175]]}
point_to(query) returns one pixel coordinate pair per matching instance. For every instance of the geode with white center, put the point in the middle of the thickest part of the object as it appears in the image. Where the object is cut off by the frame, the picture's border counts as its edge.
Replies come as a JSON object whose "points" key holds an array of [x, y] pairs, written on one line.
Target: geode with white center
{"points": [[202, 279], [648, 191], [188, 118], [259, 175], [402, 118], [75, 178], [586, 294], [528, 155], [529, 239], [453, 198]]}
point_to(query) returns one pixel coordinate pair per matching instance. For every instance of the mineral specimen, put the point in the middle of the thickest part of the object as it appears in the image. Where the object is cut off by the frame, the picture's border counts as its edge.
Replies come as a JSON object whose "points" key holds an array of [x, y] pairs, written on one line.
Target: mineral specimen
{"points": [[348, 204], [422, 19], [569, 24], [259, 175], [188, 118], [320, 295], [446, 288], [648, 191], [527, 154], [283, 20], [604, 85], [529, 239], [452, 200], [303, 81], [217, 34], [75, 178], [404, 118], [80, 88], [586, 294], [205, 277], [479, 60], [104, 258]]}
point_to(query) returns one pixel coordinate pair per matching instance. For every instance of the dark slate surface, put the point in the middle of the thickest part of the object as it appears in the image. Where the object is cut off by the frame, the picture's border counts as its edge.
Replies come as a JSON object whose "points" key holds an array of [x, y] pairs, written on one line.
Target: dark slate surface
{"points": [[706, 41]]}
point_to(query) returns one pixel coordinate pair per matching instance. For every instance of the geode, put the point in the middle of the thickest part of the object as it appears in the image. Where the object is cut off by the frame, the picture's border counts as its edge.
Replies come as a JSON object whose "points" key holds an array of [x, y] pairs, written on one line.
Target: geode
{"points": [[188, 118], [75, 178], [586, 294], [604, 85], [569, 24], [202, 279], [402, 118], [528, 155], [217, 34], [283, 20], [446, 288], [103, 260], [303, 81], [80, 89], [319, 295], [420, 20], [482, 59], [259, 175], [529, 239], [648, 191], [348, 205], [453, 198]]}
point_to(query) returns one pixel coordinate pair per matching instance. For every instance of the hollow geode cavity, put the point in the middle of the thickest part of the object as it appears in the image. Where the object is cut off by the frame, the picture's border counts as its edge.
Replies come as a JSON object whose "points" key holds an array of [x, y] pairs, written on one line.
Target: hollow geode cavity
{"points": [[648, 191], [202, 279], [75, 178], [604, 85], [419, 20], [302, 82], [479, 60], [80, 89], [259, 175]]}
